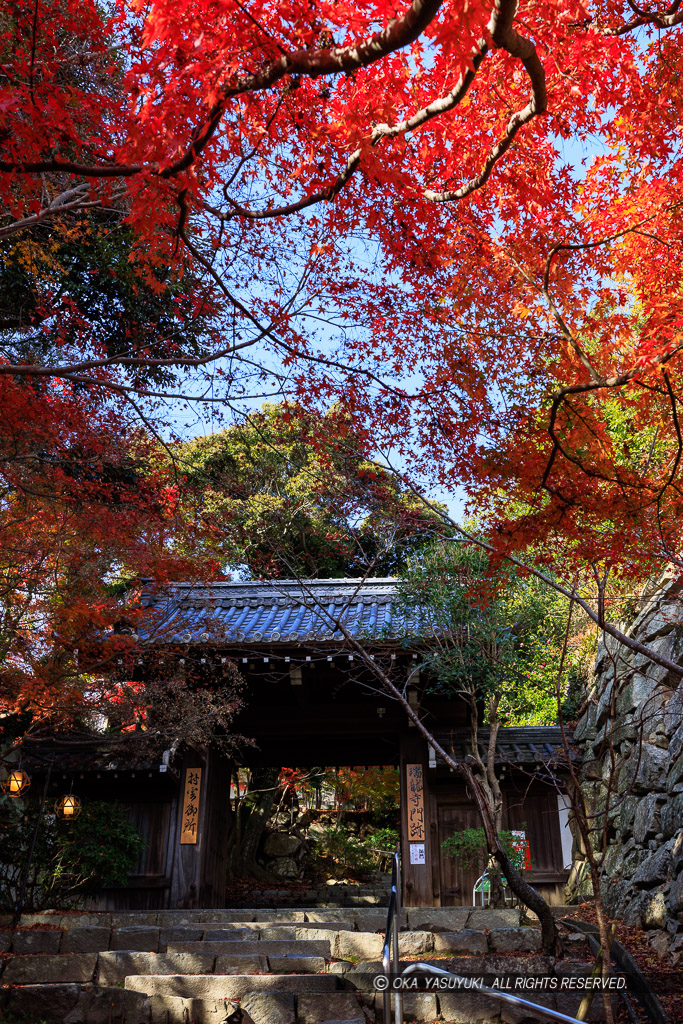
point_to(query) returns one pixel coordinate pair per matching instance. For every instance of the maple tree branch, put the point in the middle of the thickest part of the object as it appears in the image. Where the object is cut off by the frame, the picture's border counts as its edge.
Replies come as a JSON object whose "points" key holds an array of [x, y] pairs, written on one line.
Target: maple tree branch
{"points": [[506, 38], [326, 193], [594, 385], [38, 370], [380, 132], [580, 247], [399, 32], [679, 438], [501, 31], [668, 19], [569, 593], [73, 199], [280, 342]]}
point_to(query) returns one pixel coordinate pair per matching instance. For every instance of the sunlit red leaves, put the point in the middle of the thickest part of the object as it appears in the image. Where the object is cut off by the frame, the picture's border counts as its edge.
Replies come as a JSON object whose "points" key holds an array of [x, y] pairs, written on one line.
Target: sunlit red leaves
{"points": [[463, 310]]}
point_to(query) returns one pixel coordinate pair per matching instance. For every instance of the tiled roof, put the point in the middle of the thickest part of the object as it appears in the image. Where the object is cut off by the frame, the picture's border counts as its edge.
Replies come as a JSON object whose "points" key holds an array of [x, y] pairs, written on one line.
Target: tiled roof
{"points": [[531, 744], [280, 611]]}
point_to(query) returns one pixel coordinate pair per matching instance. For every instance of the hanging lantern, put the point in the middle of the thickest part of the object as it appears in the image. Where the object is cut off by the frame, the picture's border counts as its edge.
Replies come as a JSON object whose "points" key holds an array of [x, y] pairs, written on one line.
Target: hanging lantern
{"points": [[16, 783], [68, 807]]}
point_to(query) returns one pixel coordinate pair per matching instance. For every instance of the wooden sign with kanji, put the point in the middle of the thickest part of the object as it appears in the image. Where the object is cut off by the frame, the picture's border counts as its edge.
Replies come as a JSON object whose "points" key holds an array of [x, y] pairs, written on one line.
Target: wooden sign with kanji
{"points": [[189, 824], [415, 801]]}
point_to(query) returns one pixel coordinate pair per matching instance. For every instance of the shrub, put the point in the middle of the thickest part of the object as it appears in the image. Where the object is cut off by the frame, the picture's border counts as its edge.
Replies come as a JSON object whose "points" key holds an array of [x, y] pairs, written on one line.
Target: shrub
{"points": [[469, 848], [72, 859]]}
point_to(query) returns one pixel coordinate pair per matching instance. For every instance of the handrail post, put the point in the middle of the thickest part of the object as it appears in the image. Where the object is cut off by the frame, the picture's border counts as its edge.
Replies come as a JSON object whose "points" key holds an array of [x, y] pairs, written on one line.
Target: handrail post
{"points": [[398, 995], [390, 961]]}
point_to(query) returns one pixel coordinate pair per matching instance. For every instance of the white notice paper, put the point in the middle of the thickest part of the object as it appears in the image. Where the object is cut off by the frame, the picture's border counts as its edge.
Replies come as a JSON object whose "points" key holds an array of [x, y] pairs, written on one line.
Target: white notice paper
{"points": [[417, 853]]}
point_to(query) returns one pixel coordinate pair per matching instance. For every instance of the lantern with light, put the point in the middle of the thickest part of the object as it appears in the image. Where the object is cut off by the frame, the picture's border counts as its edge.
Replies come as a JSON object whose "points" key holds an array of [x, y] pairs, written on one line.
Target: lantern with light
{"points": [[68, 807], [16, 783]]}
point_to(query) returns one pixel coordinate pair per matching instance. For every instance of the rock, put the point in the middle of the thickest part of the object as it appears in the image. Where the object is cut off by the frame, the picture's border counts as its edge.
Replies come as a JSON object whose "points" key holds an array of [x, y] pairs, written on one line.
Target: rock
{"points": [[653, 913], [179, 933], [468, 1007], [467, 942], [673, 713], [30, 940], [585, 727], [357, 944], [419, 1006], [284, 867], [45, 969], [141, 938], [659, 942], [575, 944], [104, 1005], [269, 1007], [248, 963], [614, 860], [341, 967], [314, 1007], [114, 967], [279, 844], [368, 921], [647, 819], [655, 869], [438, 919], [86, 939], [632, 912], [633, 860], [675, 897], [672, 815], [412, 943], [637, 690], [677, 851], [675, 773], [48, 1003], [616, 896], [280, 932], [296, 964], [676, 743], [515, 940], [483, 917], [644, 770]]}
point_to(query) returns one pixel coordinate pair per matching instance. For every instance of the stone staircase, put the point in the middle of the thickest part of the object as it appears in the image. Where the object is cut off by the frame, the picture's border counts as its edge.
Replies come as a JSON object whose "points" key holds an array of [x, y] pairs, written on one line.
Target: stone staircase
{"points": [[333, 893], [255, 966]]}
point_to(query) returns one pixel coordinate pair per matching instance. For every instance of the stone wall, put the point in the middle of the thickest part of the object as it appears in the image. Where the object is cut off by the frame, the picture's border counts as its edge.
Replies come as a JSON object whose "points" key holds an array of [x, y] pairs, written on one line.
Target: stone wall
{"points": [[631, 737]]}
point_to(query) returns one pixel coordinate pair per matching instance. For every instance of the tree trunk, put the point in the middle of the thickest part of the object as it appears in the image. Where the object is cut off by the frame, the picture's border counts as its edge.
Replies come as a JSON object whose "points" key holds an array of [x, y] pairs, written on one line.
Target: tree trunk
{"points": [[250, 824]]}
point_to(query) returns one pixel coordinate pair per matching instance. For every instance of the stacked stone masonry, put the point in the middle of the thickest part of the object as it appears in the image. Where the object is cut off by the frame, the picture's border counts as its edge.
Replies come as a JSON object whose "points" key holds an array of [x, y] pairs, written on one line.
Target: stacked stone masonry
{"points": [[277, 967], [636, 722]]}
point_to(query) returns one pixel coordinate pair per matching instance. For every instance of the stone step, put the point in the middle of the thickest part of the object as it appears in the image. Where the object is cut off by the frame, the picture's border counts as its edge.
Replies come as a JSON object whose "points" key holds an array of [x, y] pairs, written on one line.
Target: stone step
{"points": [[114, 967], [311, 938], [78, 968], [228, 986], [450, 918], [260, 1007], [305, 947], [73, 1004]]}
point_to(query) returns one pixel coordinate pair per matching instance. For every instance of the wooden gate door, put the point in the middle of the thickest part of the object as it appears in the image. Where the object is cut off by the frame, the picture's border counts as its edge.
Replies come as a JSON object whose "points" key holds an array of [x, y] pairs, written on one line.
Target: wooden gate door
{"points": [[456, 881]]}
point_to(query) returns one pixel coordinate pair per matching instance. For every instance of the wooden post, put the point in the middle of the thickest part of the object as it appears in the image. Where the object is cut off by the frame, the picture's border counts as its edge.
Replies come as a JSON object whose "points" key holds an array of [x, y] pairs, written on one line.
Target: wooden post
{"points": [[416, 840], [199, 832]]}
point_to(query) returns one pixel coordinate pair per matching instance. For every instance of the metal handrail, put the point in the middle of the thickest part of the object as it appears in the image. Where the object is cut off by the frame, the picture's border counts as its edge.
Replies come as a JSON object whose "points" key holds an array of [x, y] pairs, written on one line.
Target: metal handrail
{"points": [[390, 962], [504, 997]]}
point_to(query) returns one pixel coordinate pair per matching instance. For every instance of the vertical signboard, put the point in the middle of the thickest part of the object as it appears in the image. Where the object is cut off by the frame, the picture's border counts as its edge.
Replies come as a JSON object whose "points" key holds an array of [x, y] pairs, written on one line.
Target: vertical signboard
{"points": [[416, 813], [190, 819]]}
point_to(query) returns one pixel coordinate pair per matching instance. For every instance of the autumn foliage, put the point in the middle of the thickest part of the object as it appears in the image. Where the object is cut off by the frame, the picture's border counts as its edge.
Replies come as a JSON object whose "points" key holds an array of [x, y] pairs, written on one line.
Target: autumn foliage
{"points": [[461, 221]]}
